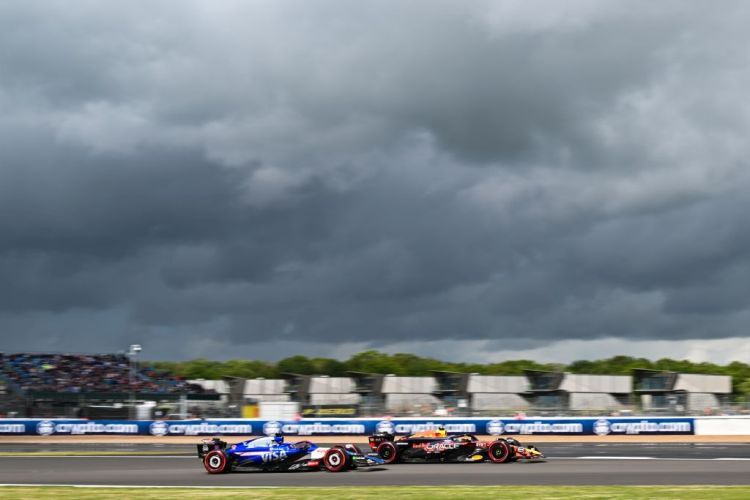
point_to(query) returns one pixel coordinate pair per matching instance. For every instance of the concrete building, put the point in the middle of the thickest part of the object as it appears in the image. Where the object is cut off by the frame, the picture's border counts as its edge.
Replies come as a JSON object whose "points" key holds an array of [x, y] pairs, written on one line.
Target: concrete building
{"points": [[474, 394], [332, 391], [481, 393], [257, 389], [497, 392], [321, 390], [395, 395], [407, 395], [271, 390], [369, 387], [665, 391], [569, 392]]}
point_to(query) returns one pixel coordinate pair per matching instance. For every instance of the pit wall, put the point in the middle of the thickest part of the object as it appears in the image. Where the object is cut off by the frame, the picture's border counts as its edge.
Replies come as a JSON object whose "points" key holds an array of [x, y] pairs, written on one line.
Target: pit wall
{"points": [[591, 426]]}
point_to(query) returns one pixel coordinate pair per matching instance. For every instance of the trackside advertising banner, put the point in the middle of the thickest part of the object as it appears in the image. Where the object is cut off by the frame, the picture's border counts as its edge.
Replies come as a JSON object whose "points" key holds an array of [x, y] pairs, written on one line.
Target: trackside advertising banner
{"points": [[601, 426]]}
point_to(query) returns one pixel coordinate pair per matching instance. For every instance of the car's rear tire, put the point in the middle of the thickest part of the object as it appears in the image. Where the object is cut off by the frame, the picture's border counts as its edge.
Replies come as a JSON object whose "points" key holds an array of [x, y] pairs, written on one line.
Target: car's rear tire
{"points": [[216, 462], [387, 451], [335, 460], [499, 452]]}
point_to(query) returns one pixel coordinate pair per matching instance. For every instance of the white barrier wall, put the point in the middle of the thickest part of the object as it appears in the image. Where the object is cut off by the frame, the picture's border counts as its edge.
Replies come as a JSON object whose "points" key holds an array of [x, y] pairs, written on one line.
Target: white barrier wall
{"points": [[722, 426]]}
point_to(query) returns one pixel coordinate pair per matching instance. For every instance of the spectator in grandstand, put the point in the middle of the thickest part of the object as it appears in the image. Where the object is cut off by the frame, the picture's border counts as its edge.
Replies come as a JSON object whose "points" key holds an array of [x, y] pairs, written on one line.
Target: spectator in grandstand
{"points": [[86, 373]]}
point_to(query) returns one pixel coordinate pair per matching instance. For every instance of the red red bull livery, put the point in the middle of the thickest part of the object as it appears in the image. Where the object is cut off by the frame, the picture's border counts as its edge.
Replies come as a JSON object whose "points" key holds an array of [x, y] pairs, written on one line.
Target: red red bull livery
{"points": [[438, 446]]}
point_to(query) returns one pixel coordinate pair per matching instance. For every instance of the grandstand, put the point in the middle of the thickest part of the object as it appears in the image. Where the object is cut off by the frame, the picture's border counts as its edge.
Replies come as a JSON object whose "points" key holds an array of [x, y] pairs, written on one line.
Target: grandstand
{"points": [[46, 384]]}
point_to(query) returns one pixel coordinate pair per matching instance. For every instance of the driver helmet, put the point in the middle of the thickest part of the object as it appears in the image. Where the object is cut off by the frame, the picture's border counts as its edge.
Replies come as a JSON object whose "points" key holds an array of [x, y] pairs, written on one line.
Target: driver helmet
{"points": [[441, 432], [278, 438]]}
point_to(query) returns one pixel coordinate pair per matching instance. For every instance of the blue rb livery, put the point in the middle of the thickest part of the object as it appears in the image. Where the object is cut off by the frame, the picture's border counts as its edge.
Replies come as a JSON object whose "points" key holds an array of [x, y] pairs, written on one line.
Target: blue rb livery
{"points": [[273, 454]]}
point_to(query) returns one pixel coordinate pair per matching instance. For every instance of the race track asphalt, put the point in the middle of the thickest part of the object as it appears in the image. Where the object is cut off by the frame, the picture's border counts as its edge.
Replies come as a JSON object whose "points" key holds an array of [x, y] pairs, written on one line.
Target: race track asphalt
{"points": [[570, 464]]}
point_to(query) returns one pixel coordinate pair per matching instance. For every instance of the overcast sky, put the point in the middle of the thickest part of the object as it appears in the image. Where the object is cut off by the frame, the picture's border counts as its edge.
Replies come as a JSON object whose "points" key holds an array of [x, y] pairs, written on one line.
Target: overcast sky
{"points": [[465, 180]]}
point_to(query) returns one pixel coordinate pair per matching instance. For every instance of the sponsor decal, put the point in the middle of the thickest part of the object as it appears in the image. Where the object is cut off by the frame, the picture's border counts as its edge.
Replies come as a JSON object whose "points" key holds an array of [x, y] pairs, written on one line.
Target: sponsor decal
{"points": [[162, 428], [45, 428], [12, 428], [591, 425], [495, 427], [209, 428], [318, 411], [601, 427], [539, 427], [647, 426], [385, 426], [272, 428], [49, 427], [322, 428], [96, 428], [452, 428], [437, 447], [158, 428], [273, 455]]}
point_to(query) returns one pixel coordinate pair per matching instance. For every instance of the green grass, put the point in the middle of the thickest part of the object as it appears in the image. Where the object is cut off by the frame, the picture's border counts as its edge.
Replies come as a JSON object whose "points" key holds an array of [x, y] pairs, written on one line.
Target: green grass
{"points": [[380, 492]]}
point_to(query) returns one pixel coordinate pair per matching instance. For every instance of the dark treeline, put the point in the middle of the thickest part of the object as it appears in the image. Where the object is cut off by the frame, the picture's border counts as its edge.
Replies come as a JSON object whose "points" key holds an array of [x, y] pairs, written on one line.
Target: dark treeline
{"points": [[413, 365]]}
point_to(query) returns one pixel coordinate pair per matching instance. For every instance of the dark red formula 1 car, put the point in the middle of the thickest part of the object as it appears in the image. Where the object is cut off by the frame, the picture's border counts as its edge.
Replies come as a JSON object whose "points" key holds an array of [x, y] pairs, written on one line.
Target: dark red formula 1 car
{"points": [[432, 447]]}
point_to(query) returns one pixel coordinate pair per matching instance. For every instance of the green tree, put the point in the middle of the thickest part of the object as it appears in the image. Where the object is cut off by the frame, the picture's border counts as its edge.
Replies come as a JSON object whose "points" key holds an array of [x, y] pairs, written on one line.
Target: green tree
{"points": [[296, 364], [743, 388], [330, 367], [201, 368], [374, 362], [407, 364]]}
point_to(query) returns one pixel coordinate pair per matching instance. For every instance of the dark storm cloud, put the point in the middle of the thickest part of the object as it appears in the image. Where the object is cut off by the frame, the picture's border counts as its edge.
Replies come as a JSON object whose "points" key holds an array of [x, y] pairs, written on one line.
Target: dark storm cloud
{"points": [[242, 179]]}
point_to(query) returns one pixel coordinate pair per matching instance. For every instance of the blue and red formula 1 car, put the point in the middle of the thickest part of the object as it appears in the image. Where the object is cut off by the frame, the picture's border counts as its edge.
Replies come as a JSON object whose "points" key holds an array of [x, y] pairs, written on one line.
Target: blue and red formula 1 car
{"points": [[272, 454]]}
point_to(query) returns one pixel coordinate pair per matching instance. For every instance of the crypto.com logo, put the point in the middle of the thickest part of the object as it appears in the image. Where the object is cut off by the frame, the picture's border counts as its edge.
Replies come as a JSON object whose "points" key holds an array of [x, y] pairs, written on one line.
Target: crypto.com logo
{"points": [[159, 428], [45, 428], [601, 427], [272, 428], [385, 426], [495, 427]]}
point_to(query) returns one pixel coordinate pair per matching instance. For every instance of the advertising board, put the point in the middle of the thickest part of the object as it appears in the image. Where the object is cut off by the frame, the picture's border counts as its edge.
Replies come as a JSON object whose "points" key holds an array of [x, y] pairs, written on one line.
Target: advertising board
{"points": [[352, 426]]}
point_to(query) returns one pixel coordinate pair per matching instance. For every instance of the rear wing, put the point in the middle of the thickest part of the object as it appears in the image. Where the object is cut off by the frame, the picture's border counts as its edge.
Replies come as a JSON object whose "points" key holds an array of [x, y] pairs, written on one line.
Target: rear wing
{"points": [[209, 445], [380, 437]]}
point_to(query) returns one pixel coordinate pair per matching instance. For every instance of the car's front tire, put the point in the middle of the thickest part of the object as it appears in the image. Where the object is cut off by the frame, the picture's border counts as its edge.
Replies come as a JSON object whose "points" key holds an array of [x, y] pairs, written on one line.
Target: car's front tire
{"points": [[499, 452], [335, 460], [216, 462], [387, 451]]}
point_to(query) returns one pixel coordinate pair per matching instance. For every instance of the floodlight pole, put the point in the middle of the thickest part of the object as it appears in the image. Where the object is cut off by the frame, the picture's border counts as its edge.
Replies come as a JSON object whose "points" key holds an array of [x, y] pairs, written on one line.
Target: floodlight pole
{"points": [[132, 353]]}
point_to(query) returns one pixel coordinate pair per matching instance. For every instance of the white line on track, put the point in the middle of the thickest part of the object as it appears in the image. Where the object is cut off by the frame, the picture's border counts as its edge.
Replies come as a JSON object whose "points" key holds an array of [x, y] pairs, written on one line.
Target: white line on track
{"points": [[120, 486]]}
